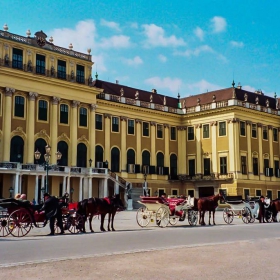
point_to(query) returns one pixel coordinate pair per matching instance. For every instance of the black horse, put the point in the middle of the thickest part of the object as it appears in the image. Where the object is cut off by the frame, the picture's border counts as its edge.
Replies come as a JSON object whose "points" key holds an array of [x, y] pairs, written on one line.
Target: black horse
{"points": [[100, 206]]}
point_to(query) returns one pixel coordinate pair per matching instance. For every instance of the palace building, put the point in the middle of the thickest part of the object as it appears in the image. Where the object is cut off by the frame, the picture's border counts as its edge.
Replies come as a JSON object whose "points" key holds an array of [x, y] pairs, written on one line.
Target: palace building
{"points": [[104, 138]]}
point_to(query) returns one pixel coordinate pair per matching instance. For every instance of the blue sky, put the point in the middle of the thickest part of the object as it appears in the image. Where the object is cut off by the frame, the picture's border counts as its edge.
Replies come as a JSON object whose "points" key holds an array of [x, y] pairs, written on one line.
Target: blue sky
{"points": [[175, 46]]}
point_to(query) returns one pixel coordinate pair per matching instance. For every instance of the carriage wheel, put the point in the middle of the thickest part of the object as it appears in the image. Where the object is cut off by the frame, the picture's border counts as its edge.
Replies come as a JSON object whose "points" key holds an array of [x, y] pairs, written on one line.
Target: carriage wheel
{"points": [[64, 224], [228, 215], [162, 217], [19, 223], [246, 215], [173, 221], [252, 219], [75, 223], [4, 229], [192, 217], [143, 217]]}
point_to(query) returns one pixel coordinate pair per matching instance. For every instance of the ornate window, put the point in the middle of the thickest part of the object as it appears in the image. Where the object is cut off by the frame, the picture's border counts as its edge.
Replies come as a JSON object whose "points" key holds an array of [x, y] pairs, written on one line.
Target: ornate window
{"points": [[61, 69], [80, 78], [40, 64], [223, 165]]}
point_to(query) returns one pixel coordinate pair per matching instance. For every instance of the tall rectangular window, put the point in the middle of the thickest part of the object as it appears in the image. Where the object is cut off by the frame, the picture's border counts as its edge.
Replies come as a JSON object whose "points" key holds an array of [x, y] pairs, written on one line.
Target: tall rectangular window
{"points": [[40, 64], [115, 124], [223, 165], [17, 59], [80, 76], [276, 168], [146, 127], [173, 133], [255, 166], [205, 128], [278, 194], [43, 110], [190, 133], [98, 122], [265, 166], [64, 113], [265, 137], [243, 165], [61, 69], [222, 129], [130, 127], [83, 117], [269, 194], [275, 134], [242, 128], [258, 192], [192, 167], [19, 106], [206, 164], [246, 194], [159, 131], [254, 130]]}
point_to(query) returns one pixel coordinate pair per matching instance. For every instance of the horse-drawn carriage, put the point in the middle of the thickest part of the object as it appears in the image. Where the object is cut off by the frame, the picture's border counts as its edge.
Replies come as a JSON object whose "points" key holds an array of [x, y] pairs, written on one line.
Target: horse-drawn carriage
{"points": [[165, 211], [248, 211], [19, 217]]}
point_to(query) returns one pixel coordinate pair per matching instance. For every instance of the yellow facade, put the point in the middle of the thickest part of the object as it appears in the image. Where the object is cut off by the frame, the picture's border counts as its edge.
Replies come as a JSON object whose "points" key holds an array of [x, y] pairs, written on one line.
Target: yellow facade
{"points": [[196, 149]]}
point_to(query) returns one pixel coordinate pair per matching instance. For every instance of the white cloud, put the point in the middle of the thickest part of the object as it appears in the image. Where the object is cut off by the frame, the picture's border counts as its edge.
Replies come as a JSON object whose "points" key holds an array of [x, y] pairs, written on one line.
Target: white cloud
{"points": [[199, 33], [203, 86], [196, 51], [156, 37], [82, 36], [99, 64], [110, 24], [162, 58], [165, 83], [249, 88], [116, 42], [134, 61], [236, 44], [219, 24], [134, 25]]}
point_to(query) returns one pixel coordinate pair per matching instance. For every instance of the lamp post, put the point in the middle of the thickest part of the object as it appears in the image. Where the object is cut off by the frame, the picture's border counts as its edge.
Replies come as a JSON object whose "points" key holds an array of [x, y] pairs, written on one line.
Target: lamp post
{"points": [[90, 162], [11, 190], [47, 157], [71, 192]]}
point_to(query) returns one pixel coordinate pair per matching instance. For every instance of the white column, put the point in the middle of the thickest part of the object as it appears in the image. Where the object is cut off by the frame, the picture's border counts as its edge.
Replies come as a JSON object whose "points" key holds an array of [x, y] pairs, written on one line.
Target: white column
{"points": [[43, 182], [105, 188], [64, 185], [116, 187], [68, 184], [81, 189], [214, 147], [36, 193], [20, 184], [89, 187], [16, 186]]}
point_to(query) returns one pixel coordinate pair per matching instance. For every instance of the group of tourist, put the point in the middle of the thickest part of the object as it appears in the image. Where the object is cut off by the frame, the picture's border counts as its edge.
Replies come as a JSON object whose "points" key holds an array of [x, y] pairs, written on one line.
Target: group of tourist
{"points": [[23, 198]]}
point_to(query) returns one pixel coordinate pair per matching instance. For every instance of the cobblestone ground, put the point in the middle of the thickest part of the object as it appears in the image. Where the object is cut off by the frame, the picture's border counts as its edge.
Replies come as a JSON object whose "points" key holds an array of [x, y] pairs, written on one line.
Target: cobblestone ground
{"points": [[241, 260]]}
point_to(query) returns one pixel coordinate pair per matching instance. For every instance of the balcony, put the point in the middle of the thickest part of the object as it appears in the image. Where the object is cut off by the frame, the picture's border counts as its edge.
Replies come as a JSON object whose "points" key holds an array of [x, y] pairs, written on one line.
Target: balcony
{"points": [[211, 177]]}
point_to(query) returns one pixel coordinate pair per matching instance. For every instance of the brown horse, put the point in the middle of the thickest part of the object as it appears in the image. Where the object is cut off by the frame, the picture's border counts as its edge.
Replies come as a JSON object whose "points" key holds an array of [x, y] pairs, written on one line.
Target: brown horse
{"points": [[100, 206], [210, 204], [275, 208]]}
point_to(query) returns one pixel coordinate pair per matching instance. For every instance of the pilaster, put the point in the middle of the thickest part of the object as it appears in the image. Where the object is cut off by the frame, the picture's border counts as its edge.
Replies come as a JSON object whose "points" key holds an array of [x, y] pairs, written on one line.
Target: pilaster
{"points": [[74, 131], [107, 149], [214, 146], [166, 145], [138, 142], [123, 143], [153, 143], [198, 148], [92, 133], [54, 127]]}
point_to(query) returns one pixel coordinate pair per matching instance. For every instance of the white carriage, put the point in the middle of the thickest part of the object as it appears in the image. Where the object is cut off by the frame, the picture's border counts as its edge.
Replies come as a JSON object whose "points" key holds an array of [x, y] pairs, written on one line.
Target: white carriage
{"points": [[165, 211]]}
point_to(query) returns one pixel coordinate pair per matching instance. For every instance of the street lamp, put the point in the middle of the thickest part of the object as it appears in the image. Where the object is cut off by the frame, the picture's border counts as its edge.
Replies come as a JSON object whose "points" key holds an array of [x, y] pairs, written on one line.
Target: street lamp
{"points": [[71, 192], [90, 162], [47, 157], [11, 190], [58, 156]]}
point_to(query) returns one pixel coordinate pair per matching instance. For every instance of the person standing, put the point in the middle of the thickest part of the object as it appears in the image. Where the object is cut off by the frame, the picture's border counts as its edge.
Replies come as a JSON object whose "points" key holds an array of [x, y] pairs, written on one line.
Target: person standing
{"points": [[261, 210], [52, 212]]}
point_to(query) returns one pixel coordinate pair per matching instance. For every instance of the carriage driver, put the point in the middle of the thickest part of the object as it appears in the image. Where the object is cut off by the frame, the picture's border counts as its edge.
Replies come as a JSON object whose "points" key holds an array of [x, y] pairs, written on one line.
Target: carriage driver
{"points": [[52, 212]]}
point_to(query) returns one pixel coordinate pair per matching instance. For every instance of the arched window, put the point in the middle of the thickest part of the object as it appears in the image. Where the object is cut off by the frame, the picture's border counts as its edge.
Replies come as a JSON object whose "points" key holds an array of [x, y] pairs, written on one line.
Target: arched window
{"points": [[40, 145], [130, 157], [62, 146], [160, 159], [17, 148], [173, 166], [81, 155], [98, 155], [115, 160], [146, 158]]}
